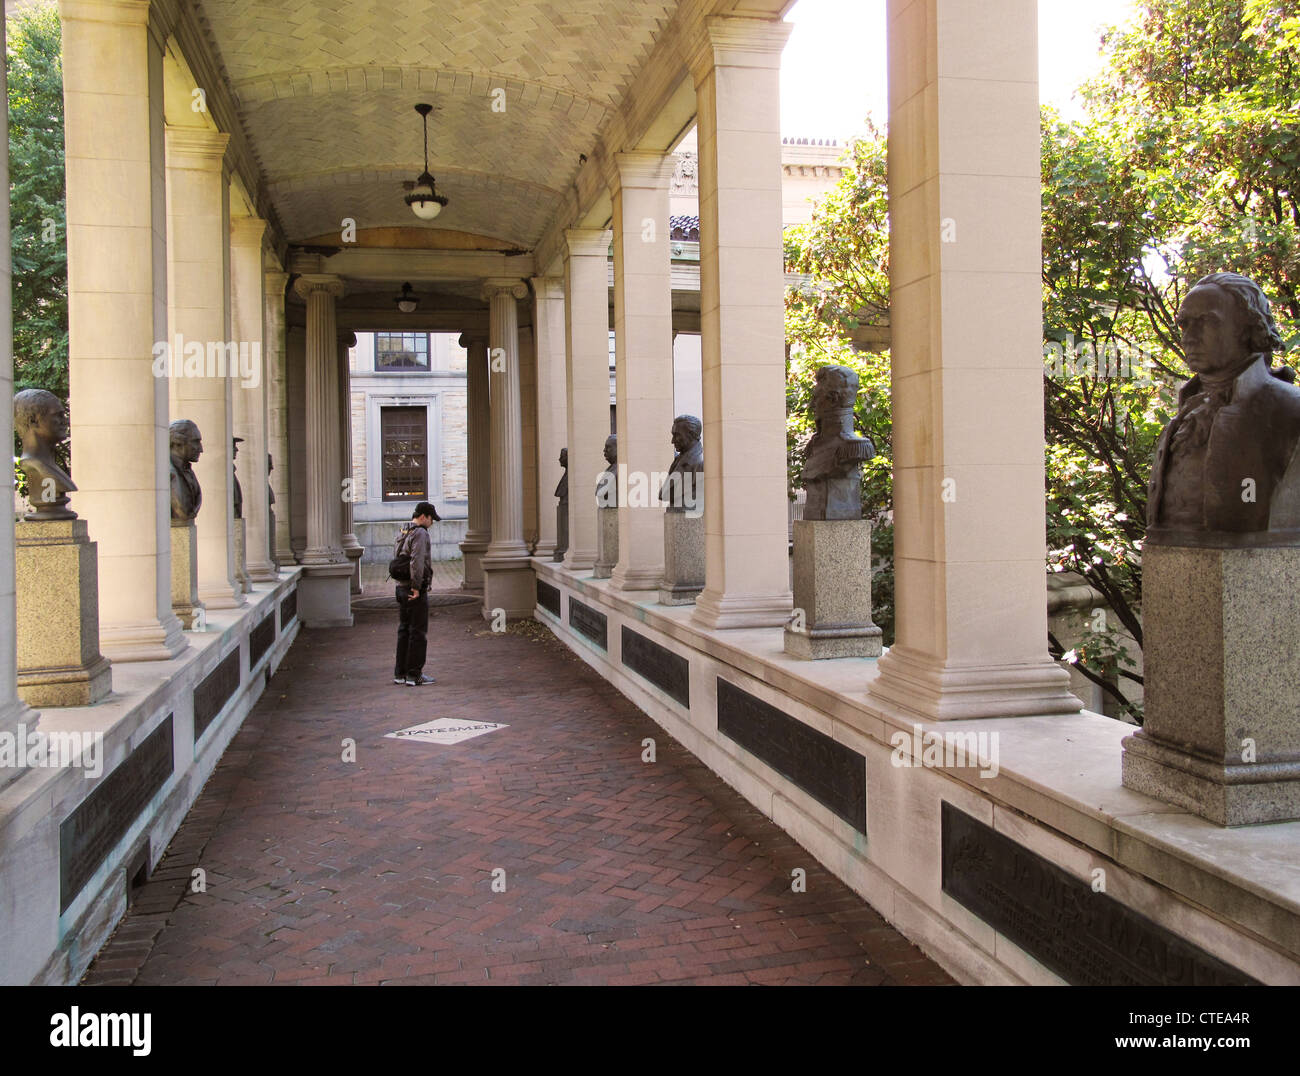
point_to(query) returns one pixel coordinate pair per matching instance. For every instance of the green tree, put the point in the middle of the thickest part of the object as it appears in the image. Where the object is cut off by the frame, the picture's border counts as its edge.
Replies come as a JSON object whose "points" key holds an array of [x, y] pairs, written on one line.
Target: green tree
{"points": [[36, 178]]}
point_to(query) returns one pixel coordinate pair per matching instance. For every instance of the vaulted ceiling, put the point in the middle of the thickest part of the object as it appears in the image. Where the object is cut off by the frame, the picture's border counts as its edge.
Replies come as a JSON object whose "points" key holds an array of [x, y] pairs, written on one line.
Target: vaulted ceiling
{"points": [[324, 91]]}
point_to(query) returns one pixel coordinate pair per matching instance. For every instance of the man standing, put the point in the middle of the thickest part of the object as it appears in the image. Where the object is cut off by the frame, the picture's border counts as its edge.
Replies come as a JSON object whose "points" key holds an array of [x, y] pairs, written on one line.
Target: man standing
{"points": [[413, 599]]}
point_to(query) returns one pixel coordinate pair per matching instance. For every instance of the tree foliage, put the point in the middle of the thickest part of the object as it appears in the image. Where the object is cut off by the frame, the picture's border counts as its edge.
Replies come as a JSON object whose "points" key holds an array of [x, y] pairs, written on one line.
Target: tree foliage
{"points": [[40, 264]]}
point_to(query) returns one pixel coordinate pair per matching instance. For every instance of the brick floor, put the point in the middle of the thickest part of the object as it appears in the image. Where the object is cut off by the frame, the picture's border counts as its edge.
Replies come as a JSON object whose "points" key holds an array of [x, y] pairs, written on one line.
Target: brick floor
{"points": [[380, 871]]}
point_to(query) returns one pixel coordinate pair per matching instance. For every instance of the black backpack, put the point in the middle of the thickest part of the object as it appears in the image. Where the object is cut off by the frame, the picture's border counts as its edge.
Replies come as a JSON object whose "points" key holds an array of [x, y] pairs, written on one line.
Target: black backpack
{"points": [[399, 567]]}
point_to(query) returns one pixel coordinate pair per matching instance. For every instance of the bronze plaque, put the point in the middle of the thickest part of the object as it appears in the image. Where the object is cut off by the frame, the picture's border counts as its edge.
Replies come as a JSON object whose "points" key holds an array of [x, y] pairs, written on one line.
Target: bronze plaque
{"points": [[1086, 937], [260, 639], [669, 672], [587, 621], [214, 692], [831, 773], [98, 822], [288, 608], [548, 597]]}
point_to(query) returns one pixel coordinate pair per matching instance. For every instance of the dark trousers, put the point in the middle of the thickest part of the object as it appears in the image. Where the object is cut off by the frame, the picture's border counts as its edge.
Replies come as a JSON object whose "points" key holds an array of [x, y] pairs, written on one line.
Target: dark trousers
{"points": [[412, 632]]}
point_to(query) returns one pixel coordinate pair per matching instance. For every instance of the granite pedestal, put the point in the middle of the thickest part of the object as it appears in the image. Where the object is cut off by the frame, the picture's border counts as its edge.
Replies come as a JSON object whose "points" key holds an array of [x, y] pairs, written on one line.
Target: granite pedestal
{"points": [[606, 543], [1221, 657], [832, 591], [57, 606], [683, 557], [241, 557], [561, 532], [185, 575]]}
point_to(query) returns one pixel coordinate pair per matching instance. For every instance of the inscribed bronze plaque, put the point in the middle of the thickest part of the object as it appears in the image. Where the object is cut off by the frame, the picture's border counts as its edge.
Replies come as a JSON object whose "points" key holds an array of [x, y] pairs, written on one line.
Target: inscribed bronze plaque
{"points": [[1086, 937], [831, 773], [98, 822], [260, 639], [587, 621], [214, 692], [669, 672], [548, 597], [288, 609]]}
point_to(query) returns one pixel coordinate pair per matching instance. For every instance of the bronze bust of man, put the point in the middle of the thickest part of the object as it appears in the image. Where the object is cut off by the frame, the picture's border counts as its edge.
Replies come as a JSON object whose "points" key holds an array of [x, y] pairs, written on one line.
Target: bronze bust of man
{"points": [[681, 489], [832, 468], [42, 424], [186, 447], [607, 483], [1225, 470], [562, 486]]}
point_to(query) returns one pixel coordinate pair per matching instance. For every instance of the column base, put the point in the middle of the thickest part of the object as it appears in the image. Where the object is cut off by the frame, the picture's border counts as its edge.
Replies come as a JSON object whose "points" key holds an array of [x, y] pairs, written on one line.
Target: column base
{"points": [[920, 685], [147, 640], [509, 584], [472, 549], [579, 560], [325, 596], [545, 549], [1236, 794], [637, 578], [354, 555], [720, 611], [221, 597]]}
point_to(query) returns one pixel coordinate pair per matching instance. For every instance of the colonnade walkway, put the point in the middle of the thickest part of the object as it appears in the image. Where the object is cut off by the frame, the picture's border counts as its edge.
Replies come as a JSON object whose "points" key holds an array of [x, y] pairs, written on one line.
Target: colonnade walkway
{"points": [[615, 870]]}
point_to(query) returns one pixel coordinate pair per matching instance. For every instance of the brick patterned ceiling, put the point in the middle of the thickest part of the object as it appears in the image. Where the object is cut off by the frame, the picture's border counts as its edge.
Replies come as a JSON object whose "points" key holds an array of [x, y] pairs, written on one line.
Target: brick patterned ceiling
{"points": [[325, 90]]}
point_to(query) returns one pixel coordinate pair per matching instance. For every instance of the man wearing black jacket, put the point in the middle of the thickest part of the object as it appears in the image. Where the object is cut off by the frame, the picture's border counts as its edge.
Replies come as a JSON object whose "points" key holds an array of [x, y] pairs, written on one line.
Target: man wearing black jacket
{"points": [[413, 599]]}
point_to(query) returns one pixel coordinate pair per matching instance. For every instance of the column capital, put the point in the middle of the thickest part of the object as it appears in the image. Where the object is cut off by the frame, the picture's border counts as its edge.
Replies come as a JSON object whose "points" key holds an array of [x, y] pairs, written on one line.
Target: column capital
{"points": [[196, 148], [736, 41], [587, 242], [124, 12], [319, 282], [468, 340], [247, 231], [644, 169], [511, 286], [275, 279], [548, 287]]}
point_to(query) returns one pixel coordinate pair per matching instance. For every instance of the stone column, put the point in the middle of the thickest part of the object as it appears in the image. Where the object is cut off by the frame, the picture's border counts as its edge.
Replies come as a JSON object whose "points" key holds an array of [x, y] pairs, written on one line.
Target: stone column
{"points": [[967, 379], [277, 414], [586, 329], [528, 410], [117, 311], [324, 594], [552, 431], [736, 68], [198, 256], [479, 463], [295, 362], [251, 389], [643, 341], [347, 496], [13, 711], [507, 575]]}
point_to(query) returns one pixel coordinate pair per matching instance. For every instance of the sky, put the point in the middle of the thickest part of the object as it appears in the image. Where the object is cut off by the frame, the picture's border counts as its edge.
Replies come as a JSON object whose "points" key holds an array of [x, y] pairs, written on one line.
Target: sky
{"points": [[833, 67]]}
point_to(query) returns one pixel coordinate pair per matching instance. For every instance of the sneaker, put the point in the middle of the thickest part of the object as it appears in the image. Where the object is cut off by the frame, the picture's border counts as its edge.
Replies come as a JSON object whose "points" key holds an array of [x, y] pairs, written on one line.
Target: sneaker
{"points": [[399, 679], [420, 681]]}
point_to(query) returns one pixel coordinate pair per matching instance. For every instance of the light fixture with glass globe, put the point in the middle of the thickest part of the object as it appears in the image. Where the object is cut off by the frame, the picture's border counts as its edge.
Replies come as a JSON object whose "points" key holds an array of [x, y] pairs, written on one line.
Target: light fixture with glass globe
{"points": [[424, 199], [406, 300]]}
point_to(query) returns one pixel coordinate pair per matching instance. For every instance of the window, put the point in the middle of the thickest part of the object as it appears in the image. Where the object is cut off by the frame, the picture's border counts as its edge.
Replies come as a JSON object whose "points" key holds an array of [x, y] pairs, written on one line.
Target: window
{"points": [[404, 432], [402, 351]]}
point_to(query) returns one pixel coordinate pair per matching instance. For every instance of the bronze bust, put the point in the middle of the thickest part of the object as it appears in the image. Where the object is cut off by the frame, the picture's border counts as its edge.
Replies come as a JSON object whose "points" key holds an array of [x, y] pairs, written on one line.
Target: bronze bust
{"points": [[186, 447], [1225, 472], [237, 494], [562, 486], [681, 489], [832, 469], [41, 422], [607, 483]]}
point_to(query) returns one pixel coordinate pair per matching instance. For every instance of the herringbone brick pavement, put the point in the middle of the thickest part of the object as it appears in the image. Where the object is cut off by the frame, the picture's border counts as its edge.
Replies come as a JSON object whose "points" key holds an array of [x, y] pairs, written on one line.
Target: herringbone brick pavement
{"points": [[324, 871]]}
